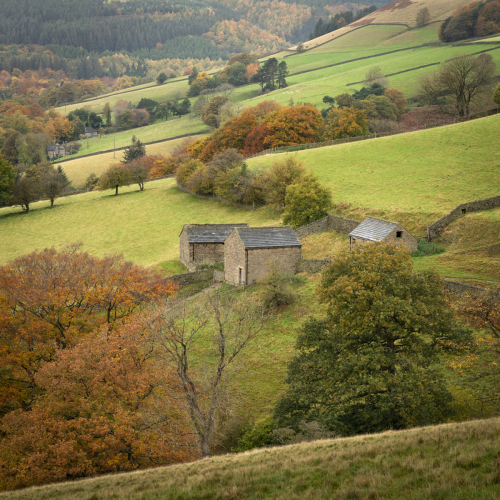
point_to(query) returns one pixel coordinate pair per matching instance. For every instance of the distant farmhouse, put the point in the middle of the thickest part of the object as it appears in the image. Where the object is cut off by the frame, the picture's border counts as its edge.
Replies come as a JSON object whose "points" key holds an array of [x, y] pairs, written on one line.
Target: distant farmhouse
{"points": [[89, 132], [249, 252], [372, 229], [204, 243], [55, 150]]}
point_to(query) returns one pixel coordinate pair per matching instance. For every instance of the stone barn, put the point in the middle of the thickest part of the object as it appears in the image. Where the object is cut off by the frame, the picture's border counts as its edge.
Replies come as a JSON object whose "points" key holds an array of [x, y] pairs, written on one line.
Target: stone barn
{"points": [[372, 229], [249, 251], [204, 243]]}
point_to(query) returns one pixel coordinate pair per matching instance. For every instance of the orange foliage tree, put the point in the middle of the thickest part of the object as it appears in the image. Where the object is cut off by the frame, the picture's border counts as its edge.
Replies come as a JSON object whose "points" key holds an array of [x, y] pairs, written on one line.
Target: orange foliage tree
{"points": [[346, 122], [106, 407], [49, 299], [294, 125]]}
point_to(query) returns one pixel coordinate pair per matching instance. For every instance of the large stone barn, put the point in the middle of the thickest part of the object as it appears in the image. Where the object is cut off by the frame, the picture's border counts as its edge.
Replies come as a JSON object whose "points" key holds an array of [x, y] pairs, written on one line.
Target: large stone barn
{"points": [[250, 250], [204, 243], [372, 229]]}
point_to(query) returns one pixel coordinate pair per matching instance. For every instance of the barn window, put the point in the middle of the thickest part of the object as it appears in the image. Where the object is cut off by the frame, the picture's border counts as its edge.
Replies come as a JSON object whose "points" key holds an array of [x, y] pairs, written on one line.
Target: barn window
{"points": [[464, 210], [399, 234]]}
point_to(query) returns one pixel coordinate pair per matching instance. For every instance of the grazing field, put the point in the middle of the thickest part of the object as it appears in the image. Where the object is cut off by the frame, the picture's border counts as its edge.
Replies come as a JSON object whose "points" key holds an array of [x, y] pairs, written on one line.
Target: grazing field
{"points": [[457, 461], [158, 131], [79, 169], [419, 174], [144, 226]]}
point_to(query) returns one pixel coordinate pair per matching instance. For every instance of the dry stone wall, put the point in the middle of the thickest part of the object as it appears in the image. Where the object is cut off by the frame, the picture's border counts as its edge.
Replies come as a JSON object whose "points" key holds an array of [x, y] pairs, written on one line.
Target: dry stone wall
{"points": [[312, 265], [437, 227], [191, 278], [328, 223]]}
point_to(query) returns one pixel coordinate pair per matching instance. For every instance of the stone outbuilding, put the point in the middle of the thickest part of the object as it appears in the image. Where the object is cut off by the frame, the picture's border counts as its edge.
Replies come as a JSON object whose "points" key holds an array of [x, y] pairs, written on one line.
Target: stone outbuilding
{"points": [[250, 250], [204, 243], [372, 229]]}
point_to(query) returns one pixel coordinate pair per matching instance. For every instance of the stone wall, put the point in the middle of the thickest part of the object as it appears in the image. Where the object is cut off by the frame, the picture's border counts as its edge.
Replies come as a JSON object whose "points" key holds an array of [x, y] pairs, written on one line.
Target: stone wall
{"points": [[328, 223], [318, 226], [207, 253], [459, 288], [312, 265], [259, 260], [191, 278], [437, 227], [341, 224], [408, 240], [219, 276], [184, 249]]}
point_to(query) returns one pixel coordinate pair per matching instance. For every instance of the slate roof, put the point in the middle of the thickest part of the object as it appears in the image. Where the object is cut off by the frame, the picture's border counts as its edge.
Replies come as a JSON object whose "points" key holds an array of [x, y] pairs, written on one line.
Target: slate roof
{"points": [[373, 229], [209, 233], [268, 237]]}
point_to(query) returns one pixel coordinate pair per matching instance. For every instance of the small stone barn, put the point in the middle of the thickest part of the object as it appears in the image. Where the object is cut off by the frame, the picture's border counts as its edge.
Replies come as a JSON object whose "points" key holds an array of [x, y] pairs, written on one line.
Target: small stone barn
{"points": [[372, 229], [250, 250], [204, 243]]}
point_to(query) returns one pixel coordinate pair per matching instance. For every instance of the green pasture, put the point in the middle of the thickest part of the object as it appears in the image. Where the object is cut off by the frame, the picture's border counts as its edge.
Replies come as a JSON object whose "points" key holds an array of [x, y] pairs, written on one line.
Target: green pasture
{"points": [[79, 169], [159, 93], [188, 124], [428, 172], [144, 226]]}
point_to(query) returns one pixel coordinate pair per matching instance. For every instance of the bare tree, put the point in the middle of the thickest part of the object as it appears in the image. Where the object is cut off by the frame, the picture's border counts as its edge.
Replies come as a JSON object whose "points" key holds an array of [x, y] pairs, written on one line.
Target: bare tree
{"points": [[423, 17], [178, 330], [465, 78], [376, 75]]}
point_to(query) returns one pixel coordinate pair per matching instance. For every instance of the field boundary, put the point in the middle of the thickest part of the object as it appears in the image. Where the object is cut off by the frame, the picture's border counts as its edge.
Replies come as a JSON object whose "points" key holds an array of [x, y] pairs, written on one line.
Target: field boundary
{"points": [[125, 147], [334, 142]]}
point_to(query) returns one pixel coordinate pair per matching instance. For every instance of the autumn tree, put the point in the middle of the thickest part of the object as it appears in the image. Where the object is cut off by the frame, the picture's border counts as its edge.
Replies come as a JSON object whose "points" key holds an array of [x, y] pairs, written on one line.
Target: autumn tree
{"points": [[53, 185], [137, 172], [49, 299], [376, 75], [114, 177], [346, 122], [281, 174], [371, 363], [481, 310], [7, 177], [465, 79], [210, 112], [306, 201], [106, 406], [294, 125], [178, 330], [398, 98]]}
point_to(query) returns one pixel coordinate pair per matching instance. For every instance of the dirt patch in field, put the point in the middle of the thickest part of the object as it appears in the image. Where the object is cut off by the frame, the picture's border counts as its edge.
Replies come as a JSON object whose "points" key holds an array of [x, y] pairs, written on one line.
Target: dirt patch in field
{"points": [[397, 4], [363, 22]]}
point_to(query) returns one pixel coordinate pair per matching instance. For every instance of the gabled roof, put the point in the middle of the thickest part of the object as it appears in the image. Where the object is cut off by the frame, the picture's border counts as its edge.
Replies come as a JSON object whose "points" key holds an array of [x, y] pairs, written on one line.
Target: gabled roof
{"points": [[209, 233], [373, 229], [268, 237]]}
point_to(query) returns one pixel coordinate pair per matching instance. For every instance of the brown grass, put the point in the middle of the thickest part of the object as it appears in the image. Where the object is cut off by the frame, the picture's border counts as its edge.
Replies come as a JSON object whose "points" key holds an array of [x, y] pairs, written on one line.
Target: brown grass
{"points": [[452, 461], [323, 245]]}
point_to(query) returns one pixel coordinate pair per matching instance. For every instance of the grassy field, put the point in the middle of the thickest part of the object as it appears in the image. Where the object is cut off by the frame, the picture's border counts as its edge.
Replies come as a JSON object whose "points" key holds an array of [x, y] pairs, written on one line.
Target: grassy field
{"points": [[445, 462], [144, 226], [420, 175], [164, 130], [79, 169]]}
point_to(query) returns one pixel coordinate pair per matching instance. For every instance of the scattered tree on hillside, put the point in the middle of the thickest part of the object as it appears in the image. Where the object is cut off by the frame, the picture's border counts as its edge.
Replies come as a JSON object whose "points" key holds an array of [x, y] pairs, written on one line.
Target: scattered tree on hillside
{"points": [[210, 112], [282, 74], [306, 201], [52, 185], [114, 177], [370, 365], [376, 75], [423, 17], [231, 325], [464, 78], [398, 98], [107, 114], [137, 173], [24, 193], [280, 175], [7, 177], [496, 95], [136, 150], [161, 78], [346, 122]]}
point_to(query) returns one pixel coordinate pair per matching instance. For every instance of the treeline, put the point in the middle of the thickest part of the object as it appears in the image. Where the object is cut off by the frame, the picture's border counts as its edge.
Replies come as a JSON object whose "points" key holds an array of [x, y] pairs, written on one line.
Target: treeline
{"points": [[339, 21], [475, 19]]}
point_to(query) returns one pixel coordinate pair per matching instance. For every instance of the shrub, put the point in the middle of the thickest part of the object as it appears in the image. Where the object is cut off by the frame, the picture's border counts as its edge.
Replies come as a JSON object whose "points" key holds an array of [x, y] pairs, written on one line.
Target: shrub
{"points": [[256, 435], [277, 286], [427, 248]]}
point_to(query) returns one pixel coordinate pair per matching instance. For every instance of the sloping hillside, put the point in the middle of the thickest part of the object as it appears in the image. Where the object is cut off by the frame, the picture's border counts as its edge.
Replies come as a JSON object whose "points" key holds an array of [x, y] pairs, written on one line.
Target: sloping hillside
{"points": [[403, 12], [451, 461]]}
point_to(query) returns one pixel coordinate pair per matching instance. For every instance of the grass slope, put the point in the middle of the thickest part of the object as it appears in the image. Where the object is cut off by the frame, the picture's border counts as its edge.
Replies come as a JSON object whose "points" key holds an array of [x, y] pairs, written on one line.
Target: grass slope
{"points": [[144, 226], [163, 130], [79, 169], [423, 174], [450, 461]]}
